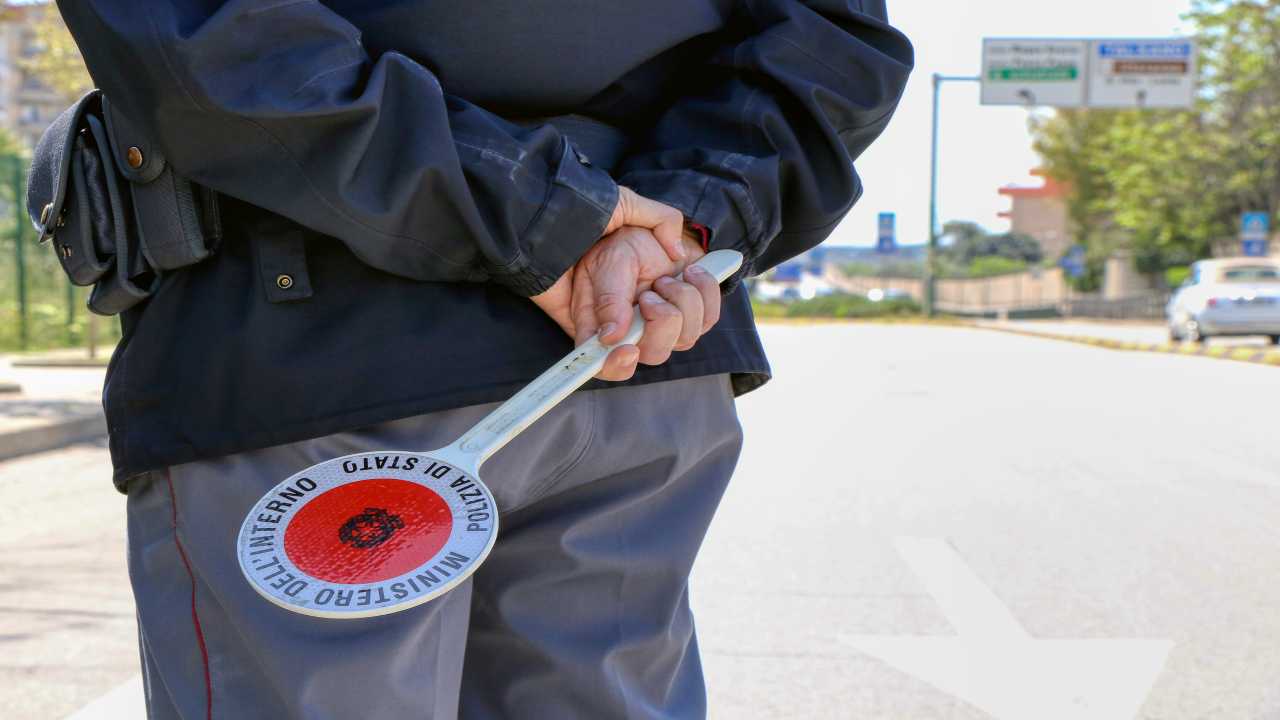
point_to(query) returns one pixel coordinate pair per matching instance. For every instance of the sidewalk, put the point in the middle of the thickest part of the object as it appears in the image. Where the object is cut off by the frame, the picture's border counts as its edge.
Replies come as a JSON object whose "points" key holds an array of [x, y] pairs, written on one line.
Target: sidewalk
{"points": [[1140, 337], [47, 407]]}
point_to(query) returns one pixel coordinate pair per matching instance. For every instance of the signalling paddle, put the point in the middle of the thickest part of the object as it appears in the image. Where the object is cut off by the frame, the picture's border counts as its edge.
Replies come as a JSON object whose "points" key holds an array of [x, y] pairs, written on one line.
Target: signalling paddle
{"points": [[379, 532]]}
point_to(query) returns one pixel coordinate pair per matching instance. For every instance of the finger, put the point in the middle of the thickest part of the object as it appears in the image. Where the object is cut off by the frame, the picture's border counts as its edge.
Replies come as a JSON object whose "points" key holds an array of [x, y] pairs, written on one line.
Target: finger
{"points": [[665, 222], [688, 301], [709, 289], [661, 328], [614, 292], [621, 364], [582, 306]]}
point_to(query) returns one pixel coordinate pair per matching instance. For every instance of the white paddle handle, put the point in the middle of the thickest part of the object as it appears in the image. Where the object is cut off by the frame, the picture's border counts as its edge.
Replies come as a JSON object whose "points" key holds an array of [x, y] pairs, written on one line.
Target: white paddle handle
{"points": [[548, 389]]}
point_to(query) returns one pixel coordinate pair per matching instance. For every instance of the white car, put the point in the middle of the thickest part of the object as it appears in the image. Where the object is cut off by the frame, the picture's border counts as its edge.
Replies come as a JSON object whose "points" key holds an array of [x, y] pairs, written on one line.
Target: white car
{"points": [[1236, 296]]}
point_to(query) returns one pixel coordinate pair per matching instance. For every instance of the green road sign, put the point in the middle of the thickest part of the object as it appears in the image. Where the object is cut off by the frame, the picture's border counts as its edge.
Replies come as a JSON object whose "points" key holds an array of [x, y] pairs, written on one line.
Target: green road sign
{"points": [[1059, 73]]}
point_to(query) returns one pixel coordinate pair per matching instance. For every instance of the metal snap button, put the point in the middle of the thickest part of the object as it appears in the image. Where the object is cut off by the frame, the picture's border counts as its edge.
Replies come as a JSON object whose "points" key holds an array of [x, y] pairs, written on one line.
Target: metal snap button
{"points": [[134, 157], [284, 282], [582, 157]]}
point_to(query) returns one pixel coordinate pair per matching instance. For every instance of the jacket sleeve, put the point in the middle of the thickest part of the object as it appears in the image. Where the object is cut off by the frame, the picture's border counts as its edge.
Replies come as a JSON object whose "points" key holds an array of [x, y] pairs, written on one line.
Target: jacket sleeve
{"points": [[277, 103], [763, 156]]}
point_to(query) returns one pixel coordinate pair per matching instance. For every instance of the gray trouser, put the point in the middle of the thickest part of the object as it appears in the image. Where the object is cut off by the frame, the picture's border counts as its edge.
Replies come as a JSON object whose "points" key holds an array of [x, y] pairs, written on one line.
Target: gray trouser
{"points": [[581, 611]]}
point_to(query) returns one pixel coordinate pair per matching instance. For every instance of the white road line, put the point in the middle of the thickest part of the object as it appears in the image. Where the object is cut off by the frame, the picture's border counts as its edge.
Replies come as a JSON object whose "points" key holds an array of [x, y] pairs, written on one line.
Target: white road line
{"points": [[993, 663], [125, 702], [969, 605]]}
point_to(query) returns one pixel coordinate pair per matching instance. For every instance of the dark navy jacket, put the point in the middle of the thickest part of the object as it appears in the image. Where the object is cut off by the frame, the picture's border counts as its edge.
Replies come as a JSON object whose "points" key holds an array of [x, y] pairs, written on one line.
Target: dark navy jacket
{"points": [[391, 158]]}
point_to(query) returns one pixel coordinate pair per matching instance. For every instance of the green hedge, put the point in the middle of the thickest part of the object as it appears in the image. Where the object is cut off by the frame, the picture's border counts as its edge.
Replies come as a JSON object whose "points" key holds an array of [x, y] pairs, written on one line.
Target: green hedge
{"points": [[837, 306]]}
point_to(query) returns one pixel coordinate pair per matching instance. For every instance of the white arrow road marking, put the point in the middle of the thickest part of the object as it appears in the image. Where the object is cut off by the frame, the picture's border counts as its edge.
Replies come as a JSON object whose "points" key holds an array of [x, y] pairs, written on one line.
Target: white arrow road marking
{"points": [[993, 663], [122, 703]]}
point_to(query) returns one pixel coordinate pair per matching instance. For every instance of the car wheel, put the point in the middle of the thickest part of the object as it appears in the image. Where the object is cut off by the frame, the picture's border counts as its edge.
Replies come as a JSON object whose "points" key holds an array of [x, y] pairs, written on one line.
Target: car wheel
{"points": [[1275, 339], [1191, 332]]}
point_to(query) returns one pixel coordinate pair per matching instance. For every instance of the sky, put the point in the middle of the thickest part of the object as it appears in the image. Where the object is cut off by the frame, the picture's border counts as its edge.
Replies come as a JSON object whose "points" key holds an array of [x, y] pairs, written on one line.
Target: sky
{"points": [[981, 148]]}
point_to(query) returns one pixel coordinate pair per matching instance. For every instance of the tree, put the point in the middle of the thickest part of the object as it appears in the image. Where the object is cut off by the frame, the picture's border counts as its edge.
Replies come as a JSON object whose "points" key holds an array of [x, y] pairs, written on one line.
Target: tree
{"points": [[1074, 146], [59, 64], [1170, 185], [970, 241]]}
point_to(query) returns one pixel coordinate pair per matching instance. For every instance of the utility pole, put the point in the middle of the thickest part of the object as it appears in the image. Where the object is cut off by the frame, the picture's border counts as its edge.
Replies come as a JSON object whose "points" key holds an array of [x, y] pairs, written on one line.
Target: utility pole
{"points": [[931, 261]]}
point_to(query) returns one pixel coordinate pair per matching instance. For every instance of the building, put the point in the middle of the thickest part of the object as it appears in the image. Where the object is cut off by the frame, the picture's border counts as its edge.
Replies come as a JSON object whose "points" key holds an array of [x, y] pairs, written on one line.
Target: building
{"points": [[27, 105], [1041, 212]]}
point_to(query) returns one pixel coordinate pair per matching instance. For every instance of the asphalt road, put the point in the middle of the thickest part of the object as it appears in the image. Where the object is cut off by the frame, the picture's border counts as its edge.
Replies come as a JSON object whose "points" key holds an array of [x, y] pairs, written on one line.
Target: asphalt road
{"points": [[926, 523], [67, 631]]}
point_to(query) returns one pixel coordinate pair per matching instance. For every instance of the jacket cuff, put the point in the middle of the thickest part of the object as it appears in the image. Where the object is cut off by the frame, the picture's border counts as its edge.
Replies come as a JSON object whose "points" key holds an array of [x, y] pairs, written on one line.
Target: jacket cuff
{"points": [[722, 207], [580, 201]]}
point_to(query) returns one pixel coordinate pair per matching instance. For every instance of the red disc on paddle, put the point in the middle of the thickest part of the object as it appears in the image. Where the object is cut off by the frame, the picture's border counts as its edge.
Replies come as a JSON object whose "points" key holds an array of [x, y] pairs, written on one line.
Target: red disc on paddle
{"points": [[367, 534], [368, 531]]}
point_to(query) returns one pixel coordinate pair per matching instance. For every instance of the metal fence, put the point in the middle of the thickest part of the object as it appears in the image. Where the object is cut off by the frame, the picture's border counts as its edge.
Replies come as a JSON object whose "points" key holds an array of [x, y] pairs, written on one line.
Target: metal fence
{"points": [[1149, 306], [39, 307]]}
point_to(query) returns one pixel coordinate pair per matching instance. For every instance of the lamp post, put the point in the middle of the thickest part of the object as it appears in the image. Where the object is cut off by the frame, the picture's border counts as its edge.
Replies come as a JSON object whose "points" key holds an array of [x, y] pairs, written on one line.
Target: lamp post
{"points": [[931, 260]]}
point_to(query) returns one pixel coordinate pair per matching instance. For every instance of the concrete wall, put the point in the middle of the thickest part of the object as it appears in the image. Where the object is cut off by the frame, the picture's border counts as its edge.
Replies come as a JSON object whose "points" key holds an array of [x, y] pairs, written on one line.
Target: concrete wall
{"points": [[1045, 219], [1122, 280], [1032, 290]]}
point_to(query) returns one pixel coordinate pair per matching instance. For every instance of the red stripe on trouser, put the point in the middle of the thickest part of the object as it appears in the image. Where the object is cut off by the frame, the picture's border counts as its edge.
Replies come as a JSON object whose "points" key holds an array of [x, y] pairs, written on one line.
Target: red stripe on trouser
{"points": [[195, 616]]}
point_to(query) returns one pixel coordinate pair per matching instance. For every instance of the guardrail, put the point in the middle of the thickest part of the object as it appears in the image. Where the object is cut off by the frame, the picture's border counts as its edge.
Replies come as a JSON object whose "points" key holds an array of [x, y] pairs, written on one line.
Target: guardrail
{"points": [[1141, 307]]}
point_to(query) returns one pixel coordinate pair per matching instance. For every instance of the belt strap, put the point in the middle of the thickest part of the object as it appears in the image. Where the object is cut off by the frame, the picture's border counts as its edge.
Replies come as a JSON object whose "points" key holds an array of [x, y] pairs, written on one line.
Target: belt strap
{"points": [[604, 145]]}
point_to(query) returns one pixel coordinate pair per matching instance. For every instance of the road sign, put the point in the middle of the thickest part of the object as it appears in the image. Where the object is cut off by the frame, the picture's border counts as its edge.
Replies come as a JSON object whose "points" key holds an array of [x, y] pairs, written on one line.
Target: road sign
{"points": [[1255, 230], [1073, 263], [1142, 73], [1034, 71], [886, 235]]}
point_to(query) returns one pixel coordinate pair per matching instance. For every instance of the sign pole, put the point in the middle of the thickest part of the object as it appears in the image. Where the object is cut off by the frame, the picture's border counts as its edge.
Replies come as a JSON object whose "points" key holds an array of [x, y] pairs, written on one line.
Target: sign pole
{"points": [[931, 260]]}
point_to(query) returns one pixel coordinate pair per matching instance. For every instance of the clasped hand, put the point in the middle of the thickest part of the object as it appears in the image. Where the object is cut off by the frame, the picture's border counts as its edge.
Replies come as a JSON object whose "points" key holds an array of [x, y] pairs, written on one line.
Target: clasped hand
{"points": [[639, 260]]}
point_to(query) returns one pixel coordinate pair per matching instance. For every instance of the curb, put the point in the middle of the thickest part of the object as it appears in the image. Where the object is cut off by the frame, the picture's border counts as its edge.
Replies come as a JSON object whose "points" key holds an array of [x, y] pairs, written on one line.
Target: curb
{"points": [[52, 436], [1254, 356], [42, 362]]}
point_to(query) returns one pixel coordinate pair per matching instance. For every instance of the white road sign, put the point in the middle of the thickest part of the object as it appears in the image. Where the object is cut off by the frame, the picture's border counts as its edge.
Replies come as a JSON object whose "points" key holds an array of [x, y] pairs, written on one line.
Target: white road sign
{"points": [[994, 664], [1034, 72], [1143, 73]]}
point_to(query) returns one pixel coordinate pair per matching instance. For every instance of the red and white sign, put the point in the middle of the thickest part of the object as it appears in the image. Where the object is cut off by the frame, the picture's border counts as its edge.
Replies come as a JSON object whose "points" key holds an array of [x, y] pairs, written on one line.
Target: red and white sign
{"points": [[365, 534]]}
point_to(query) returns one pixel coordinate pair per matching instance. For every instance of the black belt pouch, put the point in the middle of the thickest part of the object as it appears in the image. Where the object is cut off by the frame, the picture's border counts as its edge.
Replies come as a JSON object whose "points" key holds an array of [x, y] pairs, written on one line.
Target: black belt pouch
{"points": [[115, 214]]}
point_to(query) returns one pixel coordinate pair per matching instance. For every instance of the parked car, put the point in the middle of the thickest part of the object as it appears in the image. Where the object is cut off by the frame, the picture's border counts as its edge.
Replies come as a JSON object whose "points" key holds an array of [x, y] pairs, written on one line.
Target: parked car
{"points": [[1236, 296]]}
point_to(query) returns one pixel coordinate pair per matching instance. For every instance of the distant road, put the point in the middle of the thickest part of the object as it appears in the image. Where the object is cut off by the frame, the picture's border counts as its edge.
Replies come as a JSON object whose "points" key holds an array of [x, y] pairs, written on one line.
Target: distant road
{"points": [[1098, 529], [66, 615]]}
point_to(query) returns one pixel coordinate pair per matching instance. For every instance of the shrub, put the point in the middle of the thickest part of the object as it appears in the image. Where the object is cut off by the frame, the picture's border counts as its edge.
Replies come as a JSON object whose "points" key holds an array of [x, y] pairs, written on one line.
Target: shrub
{"points": [[1175, 276], [838, 306]]}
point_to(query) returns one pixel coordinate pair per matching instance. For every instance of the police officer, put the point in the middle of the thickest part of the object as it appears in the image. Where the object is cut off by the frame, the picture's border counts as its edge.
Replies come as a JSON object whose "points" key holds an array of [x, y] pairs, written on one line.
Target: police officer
{"points": [[422, 205]]}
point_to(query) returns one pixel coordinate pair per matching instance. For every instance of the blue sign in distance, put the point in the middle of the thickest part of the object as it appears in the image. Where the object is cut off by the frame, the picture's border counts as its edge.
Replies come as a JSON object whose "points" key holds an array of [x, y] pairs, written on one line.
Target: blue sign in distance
{"points": [[1157, 49], [886, 235], [1255, 230], [1073, 263]]}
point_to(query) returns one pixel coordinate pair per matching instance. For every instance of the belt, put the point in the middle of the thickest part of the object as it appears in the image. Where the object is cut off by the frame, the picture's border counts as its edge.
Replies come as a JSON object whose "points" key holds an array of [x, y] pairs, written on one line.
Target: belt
{"points": [[603, 144]]}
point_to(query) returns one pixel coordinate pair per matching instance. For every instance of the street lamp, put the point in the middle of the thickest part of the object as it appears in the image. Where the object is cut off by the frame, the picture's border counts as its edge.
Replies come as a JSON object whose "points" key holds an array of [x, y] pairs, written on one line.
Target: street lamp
{"points": [[931, 261]]}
